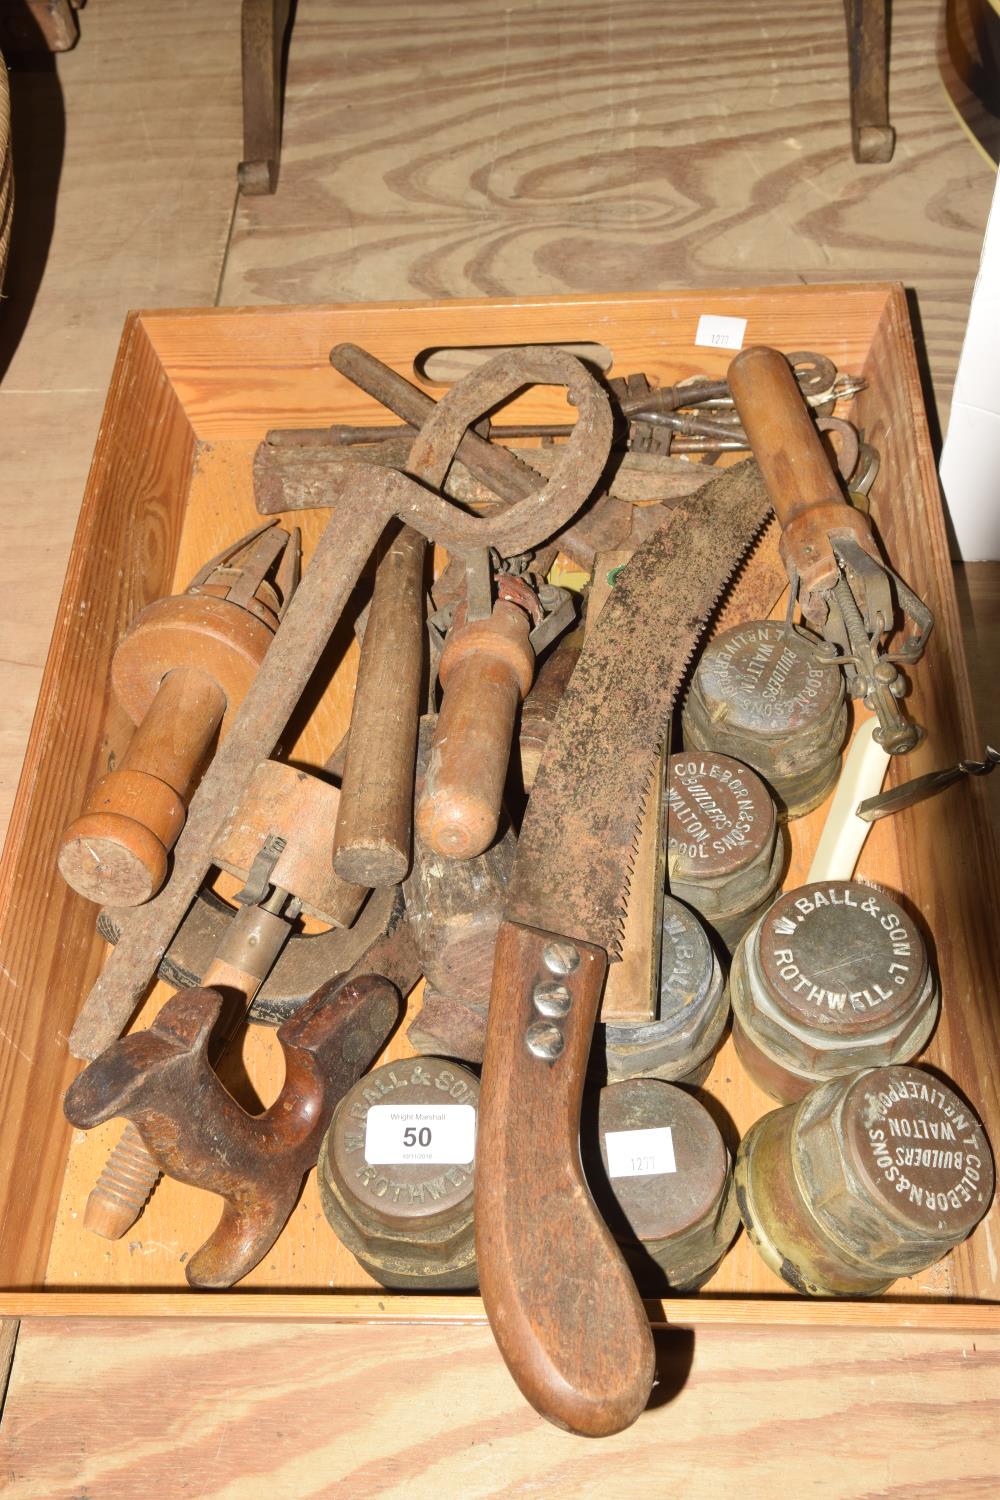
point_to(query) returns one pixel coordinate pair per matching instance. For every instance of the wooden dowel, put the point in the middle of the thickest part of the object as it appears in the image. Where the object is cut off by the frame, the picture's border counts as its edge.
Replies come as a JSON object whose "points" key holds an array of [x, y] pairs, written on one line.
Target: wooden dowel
{"points": [[785, 440], [542, 704], [374, 822]]}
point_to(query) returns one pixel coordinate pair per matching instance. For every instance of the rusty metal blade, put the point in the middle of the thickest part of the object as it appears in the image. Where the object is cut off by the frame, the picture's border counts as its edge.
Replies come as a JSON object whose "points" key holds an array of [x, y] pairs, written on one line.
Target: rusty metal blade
{"points": [[577, 844]]}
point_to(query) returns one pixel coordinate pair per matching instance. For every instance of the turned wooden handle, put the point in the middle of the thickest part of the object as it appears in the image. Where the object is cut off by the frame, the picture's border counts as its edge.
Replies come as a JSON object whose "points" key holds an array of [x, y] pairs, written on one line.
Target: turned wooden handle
{"points": [[373, 834], [542, 704], [800, 478], [562, 1304], [486, 669], [785, 440], [116, 851]]}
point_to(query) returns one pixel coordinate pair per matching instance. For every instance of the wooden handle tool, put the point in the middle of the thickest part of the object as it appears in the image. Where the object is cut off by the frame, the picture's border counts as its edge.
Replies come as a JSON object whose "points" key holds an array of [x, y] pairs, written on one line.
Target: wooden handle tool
{"points": [[372, 843], [182, 670], [573, 1329], [801, 483], [486, 669], [844, 587]]}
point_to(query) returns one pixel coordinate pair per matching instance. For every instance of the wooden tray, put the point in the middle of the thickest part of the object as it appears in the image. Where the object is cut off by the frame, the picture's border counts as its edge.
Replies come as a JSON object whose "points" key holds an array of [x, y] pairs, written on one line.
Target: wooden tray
{"points": [[192, 394]]}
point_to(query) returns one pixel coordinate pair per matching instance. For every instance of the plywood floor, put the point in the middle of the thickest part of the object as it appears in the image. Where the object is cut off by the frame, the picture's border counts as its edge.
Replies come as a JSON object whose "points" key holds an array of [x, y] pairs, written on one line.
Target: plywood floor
{"points": [[454, 149]]}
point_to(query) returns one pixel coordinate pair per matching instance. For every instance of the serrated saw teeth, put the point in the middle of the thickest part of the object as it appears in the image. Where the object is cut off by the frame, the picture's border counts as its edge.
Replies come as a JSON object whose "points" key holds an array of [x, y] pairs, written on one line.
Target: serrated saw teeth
{"points": [[578, 842]]}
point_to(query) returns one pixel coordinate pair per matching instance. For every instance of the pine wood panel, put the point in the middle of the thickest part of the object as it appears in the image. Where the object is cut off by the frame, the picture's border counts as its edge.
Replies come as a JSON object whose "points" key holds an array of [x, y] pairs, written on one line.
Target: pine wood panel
{"points": [[239, 371], [123, 557], [444, 1310], [115, 1409]]}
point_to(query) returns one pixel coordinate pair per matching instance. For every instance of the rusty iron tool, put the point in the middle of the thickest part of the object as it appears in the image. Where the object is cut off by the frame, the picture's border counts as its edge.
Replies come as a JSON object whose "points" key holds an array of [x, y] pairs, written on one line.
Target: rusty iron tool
{"points": [[249, 947], [844, 587], [507, 473], [921, 787], [298, 477], [635, 394], [283, 876], [378, 941], [360, 514], [182, 669], [563, 1307], [162, 1080]]}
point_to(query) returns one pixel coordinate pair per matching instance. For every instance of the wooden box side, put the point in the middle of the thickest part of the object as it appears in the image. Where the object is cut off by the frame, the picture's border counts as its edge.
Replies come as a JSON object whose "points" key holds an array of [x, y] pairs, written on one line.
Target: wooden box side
{"points": [[122, 558], [957, 900], [239, 371], [205, 367]]}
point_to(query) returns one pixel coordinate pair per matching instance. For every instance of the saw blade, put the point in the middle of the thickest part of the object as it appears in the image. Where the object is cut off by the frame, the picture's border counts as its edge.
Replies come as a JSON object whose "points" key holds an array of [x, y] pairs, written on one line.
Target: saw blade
{"points": [[577, 844]]}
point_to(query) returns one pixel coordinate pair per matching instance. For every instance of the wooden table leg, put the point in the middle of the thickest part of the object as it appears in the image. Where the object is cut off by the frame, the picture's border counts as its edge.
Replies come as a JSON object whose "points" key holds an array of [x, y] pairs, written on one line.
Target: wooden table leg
{"points": [[872, 137], [263, 34]]}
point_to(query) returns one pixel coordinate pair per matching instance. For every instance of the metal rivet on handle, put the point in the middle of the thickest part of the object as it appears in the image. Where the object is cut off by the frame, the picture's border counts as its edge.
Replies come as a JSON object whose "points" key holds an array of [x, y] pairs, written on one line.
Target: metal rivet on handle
{"points": [[544, 1040], [560, 958], [552, 998]]}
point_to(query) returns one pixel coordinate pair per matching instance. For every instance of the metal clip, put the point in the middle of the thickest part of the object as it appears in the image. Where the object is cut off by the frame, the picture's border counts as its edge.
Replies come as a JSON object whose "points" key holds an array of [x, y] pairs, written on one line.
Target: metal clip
{"points": [[259, 573], [860, 618], [259, 879]]}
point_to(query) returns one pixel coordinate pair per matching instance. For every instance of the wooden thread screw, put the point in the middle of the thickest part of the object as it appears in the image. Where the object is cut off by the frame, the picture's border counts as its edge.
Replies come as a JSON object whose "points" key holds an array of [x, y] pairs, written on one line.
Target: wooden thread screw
{"points": [[123, 1188]]}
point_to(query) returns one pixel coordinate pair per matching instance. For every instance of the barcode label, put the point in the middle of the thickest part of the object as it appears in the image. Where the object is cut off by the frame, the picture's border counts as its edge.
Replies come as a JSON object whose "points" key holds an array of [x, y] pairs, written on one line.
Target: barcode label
{"points": [[640, 1153], [715, 332], [435, 1134]]}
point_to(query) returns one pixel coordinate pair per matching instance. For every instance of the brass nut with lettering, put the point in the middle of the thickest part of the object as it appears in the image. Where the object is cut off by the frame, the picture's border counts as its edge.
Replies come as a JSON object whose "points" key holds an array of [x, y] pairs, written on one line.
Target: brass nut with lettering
{"points": [[766, 694], [680, 1045], [725, 844], [662, 1178], [832, 978], [868, 1178], [408, 1222]]}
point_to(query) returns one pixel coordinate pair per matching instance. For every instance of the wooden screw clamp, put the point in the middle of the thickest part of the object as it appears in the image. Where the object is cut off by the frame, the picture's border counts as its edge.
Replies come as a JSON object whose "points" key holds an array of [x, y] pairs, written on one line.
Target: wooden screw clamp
{"points": [[162, 1080], [278, 843], [181, 671]]}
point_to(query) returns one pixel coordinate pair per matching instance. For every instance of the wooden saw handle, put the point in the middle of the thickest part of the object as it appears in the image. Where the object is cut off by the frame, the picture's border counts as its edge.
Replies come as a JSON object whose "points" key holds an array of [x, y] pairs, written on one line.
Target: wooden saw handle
{"points": [[562, 1304]]}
